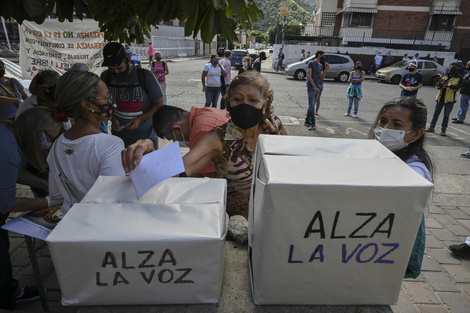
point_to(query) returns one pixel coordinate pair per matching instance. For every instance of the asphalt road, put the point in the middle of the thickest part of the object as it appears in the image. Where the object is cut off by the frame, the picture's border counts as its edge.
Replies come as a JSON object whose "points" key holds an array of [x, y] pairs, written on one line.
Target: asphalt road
{"points": [[452, 173]]}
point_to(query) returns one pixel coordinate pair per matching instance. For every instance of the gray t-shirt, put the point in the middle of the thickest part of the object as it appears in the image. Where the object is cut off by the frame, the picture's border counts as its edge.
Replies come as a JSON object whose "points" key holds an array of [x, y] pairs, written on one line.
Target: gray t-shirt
{"points": [[132, 101], [316, 70]]}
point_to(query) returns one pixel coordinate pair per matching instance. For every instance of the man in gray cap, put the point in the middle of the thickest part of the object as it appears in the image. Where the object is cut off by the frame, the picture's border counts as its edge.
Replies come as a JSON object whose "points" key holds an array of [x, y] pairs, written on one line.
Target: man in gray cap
{"points": [[136, 92], [412, 81]]}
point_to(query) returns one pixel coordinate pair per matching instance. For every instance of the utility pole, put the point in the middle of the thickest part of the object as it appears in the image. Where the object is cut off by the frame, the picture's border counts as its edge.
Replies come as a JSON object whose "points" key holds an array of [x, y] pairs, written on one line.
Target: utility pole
{"points": [[284, 13]]}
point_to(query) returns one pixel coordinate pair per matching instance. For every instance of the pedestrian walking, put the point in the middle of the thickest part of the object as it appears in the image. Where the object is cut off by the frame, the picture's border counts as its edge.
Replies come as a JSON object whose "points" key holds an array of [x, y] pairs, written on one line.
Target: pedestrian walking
{"points": [[280, 59], [314, 73], [466, 154], [411, 82], [160, 70], [150, 52], [461, 249], [354, 92], [448, 87], [406, 57], [377, 61], [302, 55], [464, 97], [211, 80], [225, 80]]}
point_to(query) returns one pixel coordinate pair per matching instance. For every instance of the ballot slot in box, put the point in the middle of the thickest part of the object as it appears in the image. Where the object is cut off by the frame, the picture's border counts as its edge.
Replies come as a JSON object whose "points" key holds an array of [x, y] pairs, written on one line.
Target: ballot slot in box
{"points": [[136, 253], [332, 221]]}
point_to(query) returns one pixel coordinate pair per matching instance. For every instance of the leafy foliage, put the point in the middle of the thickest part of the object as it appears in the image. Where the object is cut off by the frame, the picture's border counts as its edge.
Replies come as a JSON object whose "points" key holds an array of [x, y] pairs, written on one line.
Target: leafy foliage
{"points": [[299, 11], [260, 36], [130, 20]]}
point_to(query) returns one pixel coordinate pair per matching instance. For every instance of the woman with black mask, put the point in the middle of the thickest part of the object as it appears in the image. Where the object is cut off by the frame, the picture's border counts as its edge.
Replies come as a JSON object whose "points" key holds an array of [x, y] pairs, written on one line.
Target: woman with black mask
{"points": [[448, 87], [231, 146]]}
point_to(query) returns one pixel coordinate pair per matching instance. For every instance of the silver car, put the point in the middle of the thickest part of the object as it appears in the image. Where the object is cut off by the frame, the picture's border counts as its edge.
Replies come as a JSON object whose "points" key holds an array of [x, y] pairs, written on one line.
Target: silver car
{"points": [[340, 67], [431, 70]]}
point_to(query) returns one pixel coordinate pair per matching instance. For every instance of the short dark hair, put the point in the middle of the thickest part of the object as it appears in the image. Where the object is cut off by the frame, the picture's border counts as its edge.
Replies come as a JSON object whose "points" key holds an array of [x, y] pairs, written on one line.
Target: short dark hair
{"points": [[227, 53], [164, 118], [319, 52]]}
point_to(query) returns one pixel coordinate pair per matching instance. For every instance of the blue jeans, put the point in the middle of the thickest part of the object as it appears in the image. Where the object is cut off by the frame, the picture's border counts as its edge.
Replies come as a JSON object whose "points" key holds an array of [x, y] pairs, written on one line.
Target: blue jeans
{"points": [[312, 98], [464, 100], [356, 104], [437, 111], [223, 91], [318, 98], [212, 96], [279, 65]]}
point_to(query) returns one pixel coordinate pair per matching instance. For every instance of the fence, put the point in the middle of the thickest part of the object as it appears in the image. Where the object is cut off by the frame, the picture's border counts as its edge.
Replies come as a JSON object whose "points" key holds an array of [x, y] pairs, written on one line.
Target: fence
{"points": [[368, 36], [169, 47]]}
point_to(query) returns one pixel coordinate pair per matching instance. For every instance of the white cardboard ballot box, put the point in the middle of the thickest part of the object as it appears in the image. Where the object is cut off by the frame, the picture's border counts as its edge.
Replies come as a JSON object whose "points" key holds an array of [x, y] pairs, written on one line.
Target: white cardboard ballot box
{"points": [[331, 221], [166, 248]]}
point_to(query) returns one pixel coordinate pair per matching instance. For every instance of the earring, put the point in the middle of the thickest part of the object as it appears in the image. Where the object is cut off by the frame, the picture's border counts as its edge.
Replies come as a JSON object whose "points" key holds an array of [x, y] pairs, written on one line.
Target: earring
{"points": [[92, 111]]}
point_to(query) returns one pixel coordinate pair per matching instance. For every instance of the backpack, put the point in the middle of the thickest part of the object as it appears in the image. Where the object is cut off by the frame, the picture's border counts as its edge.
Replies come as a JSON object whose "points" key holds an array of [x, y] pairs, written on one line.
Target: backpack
{"points": [[140, 77], [163, 63]]}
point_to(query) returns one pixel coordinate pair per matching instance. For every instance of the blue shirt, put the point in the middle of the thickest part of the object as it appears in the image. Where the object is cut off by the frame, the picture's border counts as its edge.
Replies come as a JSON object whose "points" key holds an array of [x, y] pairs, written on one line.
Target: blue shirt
{"points": [[316, 71], [411, 80]]}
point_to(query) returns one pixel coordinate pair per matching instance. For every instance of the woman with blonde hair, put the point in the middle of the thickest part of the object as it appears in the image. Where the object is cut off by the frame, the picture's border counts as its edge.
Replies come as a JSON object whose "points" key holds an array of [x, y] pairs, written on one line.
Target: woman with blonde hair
{"points": [[230, 146], [83, 152], [246, 65]]}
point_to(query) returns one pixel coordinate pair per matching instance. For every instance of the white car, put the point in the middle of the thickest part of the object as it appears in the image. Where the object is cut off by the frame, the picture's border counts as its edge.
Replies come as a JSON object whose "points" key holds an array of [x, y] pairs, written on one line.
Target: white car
{"points": [[340, 67]]}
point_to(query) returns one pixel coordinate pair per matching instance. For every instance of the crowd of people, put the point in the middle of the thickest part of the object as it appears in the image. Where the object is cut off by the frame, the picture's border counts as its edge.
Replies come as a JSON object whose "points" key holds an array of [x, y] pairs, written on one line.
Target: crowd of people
{"points": [[58, 142]]}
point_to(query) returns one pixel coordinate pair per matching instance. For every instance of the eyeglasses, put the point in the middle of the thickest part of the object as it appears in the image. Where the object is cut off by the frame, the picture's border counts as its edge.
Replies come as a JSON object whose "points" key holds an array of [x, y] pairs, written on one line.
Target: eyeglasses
{"points": [[109, 97]]}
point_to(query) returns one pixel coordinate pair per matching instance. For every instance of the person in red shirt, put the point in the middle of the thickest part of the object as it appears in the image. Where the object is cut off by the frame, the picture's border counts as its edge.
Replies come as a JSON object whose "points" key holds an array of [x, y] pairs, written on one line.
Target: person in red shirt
{"points": [[173, 123]]}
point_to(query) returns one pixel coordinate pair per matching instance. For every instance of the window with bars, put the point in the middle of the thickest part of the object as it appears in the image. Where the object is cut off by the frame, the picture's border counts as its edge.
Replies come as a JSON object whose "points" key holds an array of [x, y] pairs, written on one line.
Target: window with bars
{"points": [[328, 19], [440, 22]]}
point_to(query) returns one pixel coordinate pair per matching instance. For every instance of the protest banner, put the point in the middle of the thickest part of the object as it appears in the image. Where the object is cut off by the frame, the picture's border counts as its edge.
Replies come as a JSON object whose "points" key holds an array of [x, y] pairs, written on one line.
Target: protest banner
{"points": [[165, 248], [56, 45], [332, 221]]}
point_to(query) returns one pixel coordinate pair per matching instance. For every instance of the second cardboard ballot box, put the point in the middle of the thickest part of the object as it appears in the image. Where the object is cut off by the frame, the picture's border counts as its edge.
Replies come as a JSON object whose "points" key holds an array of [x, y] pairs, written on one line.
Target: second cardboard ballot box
{"points": [[332, 221], [166, 248]]}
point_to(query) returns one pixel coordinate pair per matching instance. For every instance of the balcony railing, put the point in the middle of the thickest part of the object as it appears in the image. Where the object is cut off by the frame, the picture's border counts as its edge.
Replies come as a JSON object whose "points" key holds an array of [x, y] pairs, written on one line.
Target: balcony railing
{"points": [[368, 36]]}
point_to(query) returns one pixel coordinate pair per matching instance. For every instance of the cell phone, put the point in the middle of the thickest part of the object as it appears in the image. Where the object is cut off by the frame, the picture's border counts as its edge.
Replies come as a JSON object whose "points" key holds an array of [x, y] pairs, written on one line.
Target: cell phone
{"points": [[122, 127]]}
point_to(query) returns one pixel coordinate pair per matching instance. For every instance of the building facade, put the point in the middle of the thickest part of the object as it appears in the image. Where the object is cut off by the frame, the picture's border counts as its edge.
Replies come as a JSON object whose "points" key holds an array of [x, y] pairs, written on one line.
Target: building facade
{"points": [[434, 25]]}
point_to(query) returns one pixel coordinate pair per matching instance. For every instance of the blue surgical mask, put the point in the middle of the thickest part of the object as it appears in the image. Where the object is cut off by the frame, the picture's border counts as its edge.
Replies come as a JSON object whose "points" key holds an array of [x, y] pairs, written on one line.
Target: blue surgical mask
{"points": [[45, 143], [216, 62], [128, 51], [244, 63]]}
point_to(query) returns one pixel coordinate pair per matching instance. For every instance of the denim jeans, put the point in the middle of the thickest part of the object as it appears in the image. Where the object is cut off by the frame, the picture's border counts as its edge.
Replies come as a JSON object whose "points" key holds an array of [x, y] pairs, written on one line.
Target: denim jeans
{"points": [[356, 104], [279, 65], [464, 100], [318, 98], [212, 96], [447, 109], [312, 98]]}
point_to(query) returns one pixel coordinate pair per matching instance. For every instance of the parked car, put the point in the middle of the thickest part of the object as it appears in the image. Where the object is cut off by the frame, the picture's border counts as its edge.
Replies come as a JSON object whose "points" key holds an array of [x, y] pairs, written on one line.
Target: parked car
{"points": [[237, 56], [340, 67], [254, 54], [431, 70]]}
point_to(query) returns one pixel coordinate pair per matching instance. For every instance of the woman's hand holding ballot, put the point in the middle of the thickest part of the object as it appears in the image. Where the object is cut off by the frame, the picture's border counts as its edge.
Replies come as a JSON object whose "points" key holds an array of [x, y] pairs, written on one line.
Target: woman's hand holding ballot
{"points": [[132, 155]]}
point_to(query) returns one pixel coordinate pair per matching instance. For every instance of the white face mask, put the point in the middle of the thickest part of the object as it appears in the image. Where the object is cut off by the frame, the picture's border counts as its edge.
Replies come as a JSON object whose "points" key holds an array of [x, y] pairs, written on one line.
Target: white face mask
{"points": [[184, 143], [45, 143], [393, 139]]}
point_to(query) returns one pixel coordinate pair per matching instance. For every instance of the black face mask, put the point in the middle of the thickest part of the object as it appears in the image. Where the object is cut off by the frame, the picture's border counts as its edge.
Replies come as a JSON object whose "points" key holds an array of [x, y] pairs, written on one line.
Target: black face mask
{"points": [[411, 69], [2, 73], [246, 116], [106, 110], [158, 59], [359, 68], [453, 71]]}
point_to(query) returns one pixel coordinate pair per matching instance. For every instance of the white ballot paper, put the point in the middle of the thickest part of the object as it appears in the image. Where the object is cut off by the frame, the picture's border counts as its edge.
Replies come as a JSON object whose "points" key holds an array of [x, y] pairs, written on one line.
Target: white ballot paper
{"points": [[155, 167]]}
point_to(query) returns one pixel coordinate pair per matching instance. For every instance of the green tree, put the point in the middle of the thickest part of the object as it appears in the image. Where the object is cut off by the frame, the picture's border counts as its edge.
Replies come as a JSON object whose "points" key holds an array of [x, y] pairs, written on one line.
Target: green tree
{"points": [[260, 36], [131, 20]]}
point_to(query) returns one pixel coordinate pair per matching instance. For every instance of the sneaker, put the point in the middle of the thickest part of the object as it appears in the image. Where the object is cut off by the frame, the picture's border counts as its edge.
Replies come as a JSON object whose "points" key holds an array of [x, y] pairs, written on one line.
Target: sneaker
{"points": [[443, 133], [454, 118], [316, 112], [307, 124], [465, 155], [355, 115], [460, 250], [312, 127], [457, 122], [430, 130], [27, 293], [347, 114]]}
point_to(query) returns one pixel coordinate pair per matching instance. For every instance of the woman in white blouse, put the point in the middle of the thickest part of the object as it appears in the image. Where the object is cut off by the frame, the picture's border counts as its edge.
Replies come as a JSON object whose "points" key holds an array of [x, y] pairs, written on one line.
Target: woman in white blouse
{"points": [[211, 80]]}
